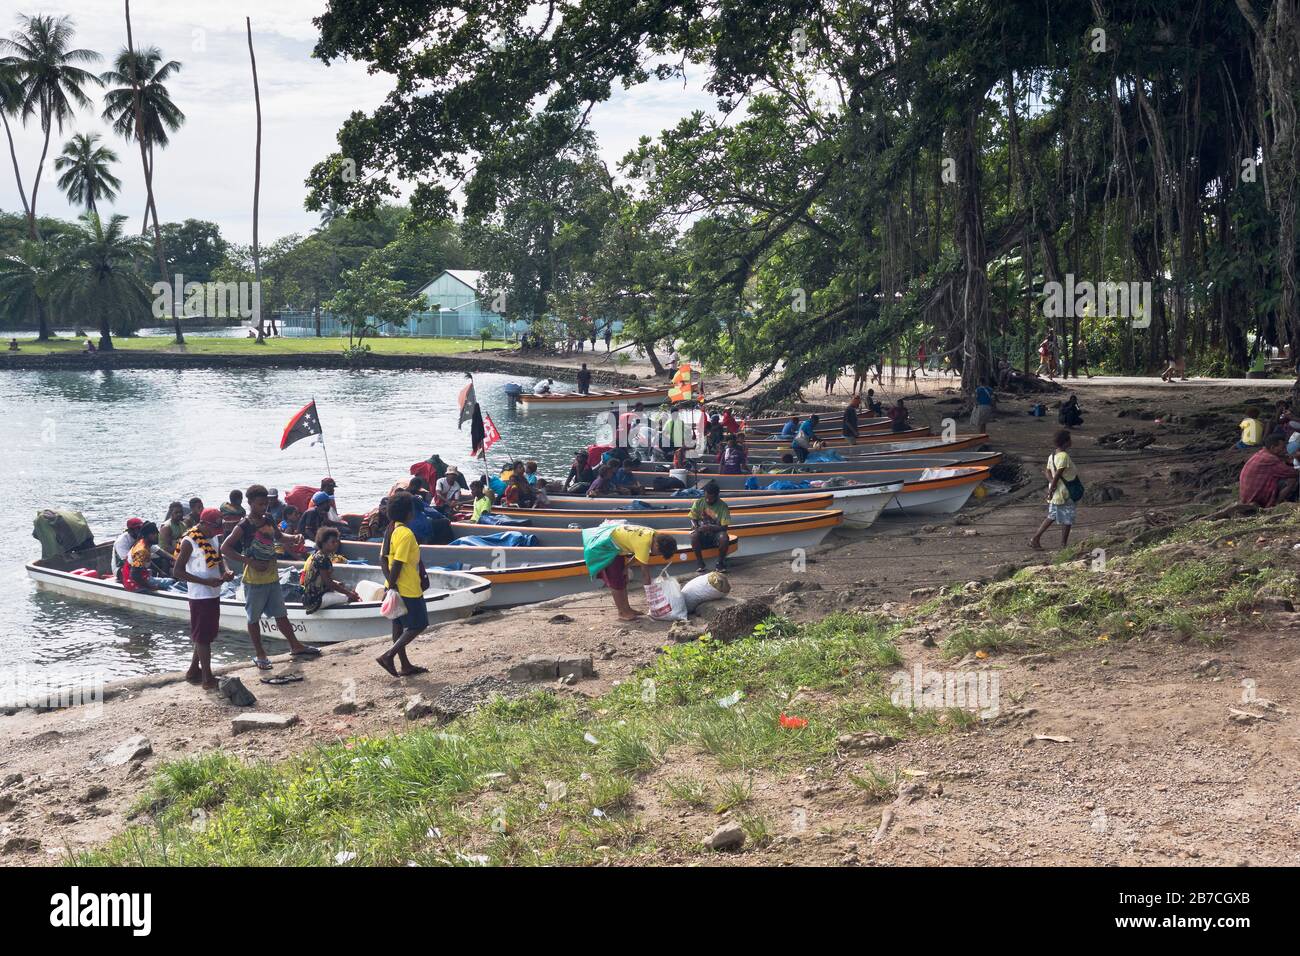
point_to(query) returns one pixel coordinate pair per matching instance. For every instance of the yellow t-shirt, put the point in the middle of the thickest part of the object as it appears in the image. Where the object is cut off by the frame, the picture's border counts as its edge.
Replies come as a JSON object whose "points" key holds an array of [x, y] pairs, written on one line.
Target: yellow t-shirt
{"points": [[634, 540], [481, 507], [1252, 430], [403, 547], [1060, 463]]}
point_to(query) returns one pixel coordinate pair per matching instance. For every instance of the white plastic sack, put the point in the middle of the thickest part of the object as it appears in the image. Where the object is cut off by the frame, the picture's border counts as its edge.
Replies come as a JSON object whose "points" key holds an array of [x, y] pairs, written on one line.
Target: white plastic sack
{"points": [[707, 587], [393, 606], [664, 599], [370, 591]]}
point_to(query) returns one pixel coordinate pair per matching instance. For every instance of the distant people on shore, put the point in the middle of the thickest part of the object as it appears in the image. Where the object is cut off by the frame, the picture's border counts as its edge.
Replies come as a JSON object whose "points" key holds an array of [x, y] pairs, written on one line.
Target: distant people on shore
{"points": [[1064, 489], [1176, 367], [13, 345], [982, 411], [1252, 429], [90, 347], [1069, 415], [1268, 477]]}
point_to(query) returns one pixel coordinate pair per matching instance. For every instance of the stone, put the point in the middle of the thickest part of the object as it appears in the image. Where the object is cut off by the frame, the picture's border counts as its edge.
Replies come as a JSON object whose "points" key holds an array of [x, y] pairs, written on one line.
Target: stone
{"points": [[791, 585], [739, 620], [94, 792], [21, 845], [866, 740], [577, 666], [347, 700], [7, 803], [262, 720], [11, 780], [539, 667], [133, 748], [921, 594], [729, 837], [416, 707], [233, 689], [683, 632], [560, 619]]}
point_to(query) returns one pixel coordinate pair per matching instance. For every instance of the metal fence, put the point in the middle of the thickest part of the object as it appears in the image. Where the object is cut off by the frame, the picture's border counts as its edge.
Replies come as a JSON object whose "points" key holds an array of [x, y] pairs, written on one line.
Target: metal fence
{"points": [[443, 325]]}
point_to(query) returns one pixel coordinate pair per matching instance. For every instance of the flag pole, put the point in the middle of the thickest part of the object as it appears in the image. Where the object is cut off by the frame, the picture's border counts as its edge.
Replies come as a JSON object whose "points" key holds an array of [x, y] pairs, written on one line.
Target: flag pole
{"points": [[328, 470]]}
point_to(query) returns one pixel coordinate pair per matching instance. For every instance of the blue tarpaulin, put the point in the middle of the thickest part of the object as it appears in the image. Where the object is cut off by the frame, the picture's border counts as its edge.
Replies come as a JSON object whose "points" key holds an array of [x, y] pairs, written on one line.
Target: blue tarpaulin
{"points": [[502, 539], [824, 456], [490, 517]]}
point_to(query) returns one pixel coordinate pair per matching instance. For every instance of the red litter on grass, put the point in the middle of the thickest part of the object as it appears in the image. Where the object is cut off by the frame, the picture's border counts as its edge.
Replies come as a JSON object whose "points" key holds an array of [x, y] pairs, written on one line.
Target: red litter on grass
{"points": [[793, 723]]}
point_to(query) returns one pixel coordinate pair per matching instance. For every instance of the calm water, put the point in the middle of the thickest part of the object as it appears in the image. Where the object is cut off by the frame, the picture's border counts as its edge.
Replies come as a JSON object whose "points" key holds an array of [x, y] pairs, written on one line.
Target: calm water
{"points": [[117, 444]]}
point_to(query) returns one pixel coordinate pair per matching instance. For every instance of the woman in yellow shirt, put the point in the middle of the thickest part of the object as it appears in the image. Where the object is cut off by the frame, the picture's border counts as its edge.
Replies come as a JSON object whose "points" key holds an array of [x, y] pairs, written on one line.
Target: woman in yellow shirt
{"points": [[399, 556], [1252, 429], [607, 550]]}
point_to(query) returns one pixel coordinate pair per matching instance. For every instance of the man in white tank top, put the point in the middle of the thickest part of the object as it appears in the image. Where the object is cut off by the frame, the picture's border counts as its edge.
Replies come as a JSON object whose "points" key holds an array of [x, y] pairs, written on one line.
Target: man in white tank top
{"points": [[199, 564]]}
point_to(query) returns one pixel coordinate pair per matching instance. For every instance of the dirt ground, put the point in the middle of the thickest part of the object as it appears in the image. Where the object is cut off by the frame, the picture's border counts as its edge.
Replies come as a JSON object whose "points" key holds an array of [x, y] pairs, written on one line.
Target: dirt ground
{"points": [[1148, 768]]}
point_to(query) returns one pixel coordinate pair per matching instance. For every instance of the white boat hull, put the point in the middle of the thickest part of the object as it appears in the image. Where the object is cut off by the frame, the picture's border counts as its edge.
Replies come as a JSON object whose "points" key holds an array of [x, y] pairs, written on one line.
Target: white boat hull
{"points": [[327, 626]]}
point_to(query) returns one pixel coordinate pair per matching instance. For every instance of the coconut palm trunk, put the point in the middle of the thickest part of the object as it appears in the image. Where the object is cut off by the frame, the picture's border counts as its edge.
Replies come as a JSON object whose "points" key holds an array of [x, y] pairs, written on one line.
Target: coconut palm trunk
{"points": [[257, 183], [158, 252]]}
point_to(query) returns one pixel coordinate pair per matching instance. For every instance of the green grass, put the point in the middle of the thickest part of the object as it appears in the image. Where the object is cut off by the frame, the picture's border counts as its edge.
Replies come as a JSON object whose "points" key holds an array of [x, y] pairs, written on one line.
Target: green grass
{"points": [[197, 344], [475, 791]]}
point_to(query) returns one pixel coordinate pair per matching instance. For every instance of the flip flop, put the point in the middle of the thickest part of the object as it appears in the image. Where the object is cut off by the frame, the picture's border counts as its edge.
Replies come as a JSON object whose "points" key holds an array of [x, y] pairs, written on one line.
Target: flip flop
{"points": [[282, 679], [306, 651], [262, 663]]}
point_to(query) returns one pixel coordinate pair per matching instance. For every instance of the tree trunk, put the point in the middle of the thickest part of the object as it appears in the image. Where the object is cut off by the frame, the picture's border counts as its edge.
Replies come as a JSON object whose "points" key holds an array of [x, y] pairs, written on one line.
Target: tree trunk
{"points": [[977, 363], [159, 255], [257, 179], [32, 230]]}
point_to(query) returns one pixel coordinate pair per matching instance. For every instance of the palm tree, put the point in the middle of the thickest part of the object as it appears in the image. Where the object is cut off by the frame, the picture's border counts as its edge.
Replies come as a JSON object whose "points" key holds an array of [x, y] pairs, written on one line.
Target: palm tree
{"points": [[51, 86], [29, 277], [159, 115], [10, 103], [86, 177], [330, 213], [102, 278]]}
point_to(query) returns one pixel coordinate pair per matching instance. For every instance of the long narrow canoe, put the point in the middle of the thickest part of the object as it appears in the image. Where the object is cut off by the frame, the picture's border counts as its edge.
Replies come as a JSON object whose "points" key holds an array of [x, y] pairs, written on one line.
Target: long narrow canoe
{"points": [[451, 595], [523, 575], [861, 504], [757, 533], [973, 459], [831, 439], [595, 401], [925, 490]]}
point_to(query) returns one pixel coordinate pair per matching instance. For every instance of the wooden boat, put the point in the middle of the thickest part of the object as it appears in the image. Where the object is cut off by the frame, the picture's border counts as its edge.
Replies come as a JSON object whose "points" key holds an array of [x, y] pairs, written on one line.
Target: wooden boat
{"points": [[832, 439], [973, 459], [757, 533], [861, 504], [594, 401], [524, 575], [824, 427], [562, 505], [451, 595], [928, 491], [889, 444]]}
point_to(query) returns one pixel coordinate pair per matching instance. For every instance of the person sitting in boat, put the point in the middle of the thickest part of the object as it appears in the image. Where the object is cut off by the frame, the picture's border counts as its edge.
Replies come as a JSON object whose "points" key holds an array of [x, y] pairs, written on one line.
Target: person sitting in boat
{"points": [[232, 512], [286, 549], [275, 507], [125, 542], [541, 496], [710, 518], [319, 589], [732, 459], [519, 493], [850, 427], [624, 481], [196, 509], [544, 388], [729, 424], [447, 492], [898, 421], [580, 474], [318, 516], [791, 427], [873, 406], [169, 533], [602, 485], [713, 434], [608, 549], [482, 498], [374, 523], [137, 574]]}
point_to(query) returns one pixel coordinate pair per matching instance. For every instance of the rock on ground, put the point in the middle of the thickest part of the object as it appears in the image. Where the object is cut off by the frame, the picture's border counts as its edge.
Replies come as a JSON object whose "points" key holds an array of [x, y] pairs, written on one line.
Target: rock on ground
{"points": [[262, 721], [728, 837]]}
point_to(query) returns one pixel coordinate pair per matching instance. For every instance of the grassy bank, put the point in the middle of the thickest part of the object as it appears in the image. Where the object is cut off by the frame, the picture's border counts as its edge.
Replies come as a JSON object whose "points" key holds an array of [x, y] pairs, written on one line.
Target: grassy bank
{"points": [[543, 779], [197, 344], [1189, 579]]}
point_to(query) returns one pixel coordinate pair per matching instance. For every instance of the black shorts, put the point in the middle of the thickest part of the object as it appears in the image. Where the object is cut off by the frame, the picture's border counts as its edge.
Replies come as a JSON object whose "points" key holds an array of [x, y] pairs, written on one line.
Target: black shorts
{"points": [[416, 617], [709, 536]]}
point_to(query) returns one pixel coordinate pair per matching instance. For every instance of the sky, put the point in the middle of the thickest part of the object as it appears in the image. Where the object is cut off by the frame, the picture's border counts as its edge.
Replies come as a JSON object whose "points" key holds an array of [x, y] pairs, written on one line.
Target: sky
{"points": [[207, 171]]}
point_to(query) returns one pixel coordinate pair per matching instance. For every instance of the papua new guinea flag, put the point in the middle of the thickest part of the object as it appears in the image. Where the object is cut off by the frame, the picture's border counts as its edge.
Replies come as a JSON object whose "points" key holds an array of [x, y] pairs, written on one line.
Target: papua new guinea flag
{"points": [[303, 425]]}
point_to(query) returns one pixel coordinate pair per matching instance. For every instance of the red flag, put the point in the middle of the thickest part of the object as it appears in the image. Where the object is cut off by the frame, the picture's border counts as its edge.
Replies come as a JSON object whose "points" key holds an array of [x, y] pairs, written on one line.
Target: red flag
{"points": [[490, 435], [467, 401], [303, 425]]}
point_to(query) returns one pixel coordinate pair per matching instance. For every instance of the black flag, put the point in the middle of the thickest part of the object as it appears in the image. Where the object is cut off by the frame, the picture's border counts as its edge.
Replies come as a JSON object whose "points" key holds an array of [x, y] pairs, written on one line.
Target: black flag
{"points": [[476, 430], [303, 425]]}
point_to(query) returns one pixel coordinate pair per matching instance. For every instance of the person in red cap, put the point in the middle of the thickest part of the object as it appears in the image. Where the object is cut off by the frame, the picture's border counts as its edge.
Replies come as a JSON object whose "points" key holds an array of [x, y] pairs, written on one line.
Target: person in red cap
{"points": [[125, 542], [199, 564]]}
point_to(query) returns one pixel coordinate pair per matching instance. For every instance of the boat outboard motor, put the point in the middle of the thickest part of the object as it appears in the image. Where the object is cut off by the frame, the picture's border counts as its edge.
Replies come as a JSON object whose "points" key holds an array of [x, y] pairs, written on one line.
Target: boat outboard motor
{"points": [[61, 532], [513, 389]]}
